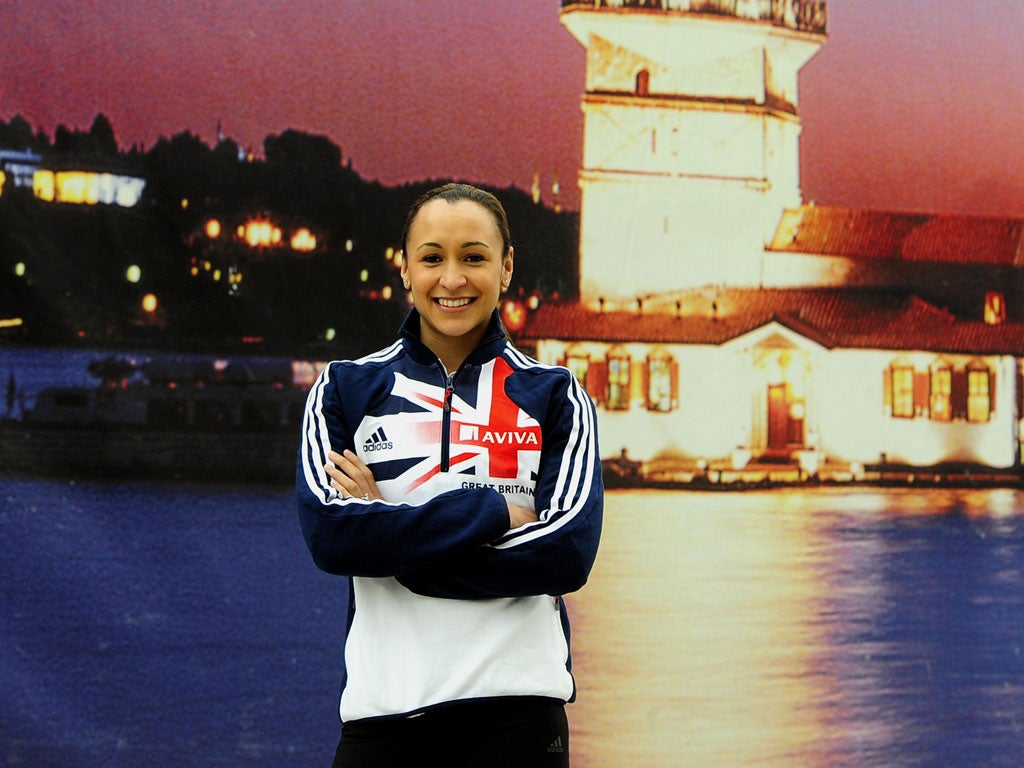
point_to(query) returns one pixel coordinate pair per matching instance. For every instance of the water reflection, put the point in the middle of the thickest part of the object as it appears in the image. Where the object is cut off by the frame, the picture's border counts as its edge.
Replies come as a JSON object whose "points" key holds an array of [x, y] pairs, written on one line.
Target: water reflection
{"points": [[813, 629]]}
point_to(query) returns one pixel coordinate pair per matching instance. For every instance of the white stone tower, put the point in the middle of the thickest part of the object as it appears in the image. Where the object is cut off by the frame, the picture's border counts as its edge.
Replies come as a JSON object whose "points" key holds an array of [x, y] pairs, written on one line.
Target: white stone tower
{"points": [[691, 138]]}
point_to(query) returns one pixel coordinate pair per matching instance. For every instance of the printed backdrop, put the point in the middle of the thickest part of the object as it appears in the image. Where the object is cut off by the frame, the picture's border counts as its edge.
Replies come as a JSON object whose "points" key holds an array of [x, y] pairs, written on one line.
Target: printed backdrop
{"points": [[159, 622]]}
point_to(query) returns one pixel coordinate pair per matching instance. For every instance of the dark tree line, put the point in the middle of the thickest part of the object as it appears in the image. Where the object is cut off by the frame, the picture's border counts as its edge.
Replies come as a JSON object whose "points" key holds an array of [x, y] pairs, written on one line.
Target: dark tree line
{"points": [[98, 143], [62, 267]]}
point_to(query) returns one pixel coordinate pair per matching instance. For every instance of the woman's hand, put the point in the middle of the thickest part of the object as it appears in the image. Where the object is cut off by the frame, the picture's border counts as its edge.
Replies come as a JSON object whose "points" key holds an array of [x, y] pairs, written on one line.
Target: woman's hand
{"points": [[353, 478], [520, 516], [350, 476]]}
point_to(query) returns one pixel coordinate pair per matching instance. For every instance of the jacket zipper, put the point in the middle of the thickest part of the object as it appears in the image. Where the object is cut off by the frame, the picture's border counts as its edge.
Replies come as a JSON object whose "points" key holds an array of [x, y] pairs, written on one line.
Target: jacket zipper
{"points": [[446, 423]]}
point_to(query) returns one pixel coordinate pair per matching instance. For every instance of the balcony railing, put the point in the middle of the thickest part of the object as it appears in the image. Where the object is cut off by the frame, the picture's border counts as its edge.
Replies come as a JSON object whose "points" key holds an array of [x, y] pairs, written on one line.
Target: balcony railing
{"points": [[802, 15]]}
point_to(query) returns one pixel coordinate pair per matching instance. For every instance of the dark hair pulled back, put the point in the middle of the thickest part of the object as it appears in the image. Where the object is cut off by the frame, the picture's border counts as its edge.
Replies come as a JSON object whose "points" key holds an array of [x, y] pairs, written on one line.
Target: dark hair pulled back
{"points": [[453, 193]]}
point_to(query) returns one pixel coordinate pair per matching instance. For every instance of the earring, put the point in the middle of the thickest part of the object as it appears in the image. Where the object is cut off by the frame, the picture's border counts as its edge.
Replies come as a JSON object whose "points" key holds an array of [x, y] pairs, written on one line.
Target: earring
{"points": [[406, 284]]}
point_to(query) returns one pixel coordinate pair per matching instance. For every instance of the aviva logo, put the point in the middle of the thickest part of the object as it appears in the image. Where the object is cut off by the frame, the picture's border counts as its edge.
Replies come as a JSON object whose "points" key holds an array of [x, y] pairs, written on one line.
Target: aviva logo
{"points": [[378, 441], [470, 433]]}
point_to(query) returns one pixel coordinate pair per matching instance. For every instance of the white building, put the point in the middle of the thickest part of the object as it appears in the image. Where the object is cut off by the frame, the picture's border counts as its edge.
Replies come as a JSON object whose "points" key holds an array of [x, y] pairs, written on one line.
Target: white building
{"points": [[721, 320]]}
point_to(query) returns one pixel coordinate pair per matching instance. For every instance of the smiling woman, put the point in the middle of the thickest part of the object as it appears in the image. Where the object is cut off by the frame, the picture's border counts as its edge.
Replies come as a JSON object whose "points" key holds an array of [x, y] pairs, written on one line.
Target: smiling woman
{"points": [[455, 483]]}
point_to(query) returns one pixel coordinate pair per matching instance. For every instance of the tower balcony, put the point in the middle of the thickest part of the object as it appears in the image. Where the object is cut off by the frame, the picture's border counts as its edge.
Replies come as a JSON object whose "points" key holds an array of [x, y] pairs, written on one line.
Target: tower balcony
{"points": [[801, 15]]}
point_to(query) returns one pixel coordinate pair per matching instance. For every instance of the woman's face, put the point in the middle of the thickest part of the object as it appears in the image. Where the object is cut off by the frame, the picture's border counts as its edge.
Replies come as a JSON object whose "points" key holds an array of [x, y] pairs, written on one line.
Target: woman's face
{"points": [[456, 269]]}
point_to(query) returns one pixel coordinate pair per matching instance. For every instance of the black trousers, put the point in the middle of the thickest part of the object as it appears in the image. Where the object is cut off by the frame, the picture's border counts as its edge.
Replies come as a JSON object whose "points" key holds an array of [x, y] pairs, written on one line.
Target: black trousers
{"points": [[513, 732]]}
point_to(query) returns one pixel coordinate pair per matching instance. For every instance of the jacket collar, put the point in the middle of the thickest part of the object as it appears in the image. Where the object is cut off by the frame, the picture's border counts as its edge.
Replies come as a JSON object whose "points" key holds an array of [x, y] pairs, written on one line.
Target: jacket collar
{"points": [[490, 346]]}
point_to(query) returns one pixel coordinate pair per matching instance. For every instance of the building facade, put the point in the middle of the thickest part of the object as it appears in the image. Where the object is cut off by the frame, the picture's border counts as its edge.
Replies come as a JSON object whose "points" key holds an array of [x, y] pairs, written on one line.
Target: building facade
{"points": [[691, 138], [724, 322]]}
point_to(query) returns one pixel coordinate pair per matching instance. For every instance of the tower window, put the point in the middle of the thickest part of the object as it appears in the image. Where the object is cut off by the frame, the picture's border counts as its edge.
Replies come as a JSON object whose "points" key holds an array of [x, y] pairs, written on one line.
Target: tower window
{"points": [[995, 308], [643, 83]]}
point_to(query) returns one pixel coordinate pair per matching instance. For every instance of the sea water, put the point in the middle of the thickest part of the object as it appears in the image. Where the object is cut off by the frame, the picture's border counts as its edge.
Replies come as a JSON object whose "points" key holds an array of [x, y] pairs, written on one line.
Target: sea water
{"points": [[162, 624]]}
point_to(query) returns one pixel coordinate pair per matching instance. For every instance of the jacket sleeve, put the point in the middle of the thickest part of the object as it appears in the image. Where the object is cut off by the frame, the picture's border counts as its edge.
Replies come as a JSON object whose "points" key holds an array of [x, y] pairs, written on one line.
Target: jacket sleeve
{"points": [[555, 554], [354, 537]]}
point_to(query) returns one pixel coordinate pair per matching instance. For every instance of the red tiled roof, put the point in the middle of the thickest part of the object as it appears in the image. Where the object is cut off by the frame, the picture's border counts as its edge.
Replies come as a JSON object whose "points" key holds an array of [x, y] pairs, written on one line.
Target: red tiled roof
{"points": [[834, 318], [832, 231]]}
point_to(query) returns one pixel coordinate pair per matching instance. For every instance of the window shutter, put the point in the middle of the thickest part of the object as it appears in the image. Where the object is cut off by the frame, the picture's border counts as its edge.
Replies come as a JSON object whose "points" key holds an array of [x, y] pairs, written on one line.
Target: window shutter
{"points": [[673, 369], [645, 382], [958, 394], [1020, 394], [991, 391], [597, 381], [887, 390], [921, 390]]}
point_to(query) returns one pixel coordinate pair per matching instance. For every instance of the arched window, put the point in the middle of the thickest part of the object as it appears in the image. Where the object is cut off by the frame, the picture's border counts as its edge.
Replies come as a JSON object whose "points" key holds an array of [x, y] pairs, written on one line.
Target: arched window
{"points": [[940, 391], [980, 390], [618, 379]]}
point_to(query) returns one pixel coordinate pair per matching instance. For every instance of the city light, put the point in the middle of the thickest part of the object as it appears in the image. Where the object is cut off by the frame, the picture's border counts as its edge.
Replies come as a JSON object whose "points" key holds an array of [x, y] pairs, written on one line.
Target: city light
{"points": [[87, 188], [149, 303], [258, 233], [133, 274], [44, 186], [513, 315], [75, 188], [303, 240], [262, 232]]}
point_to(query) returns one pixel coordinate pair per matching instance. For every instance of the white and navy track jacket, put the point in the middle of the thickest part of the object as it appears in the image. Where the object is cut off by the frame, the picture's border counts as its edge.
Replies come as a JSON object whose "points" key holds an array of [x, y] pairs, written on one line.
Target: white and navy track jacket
{"points": [[446, 603]]}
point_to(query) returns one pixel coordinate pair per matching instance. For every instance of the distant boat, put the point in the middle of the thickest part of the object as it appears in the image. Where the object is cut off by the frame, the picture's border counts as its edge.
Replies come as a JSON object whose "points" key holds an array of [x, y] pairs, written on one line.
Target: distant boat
{"points": [[185, 419]]}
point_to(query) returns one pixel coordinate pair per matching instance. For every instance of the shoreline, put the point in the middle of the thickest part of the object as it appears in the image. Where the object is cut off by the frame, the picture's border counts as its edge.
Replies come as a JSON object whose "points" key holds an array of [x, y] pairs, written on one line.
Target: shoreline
{"points": [[699, 475]]}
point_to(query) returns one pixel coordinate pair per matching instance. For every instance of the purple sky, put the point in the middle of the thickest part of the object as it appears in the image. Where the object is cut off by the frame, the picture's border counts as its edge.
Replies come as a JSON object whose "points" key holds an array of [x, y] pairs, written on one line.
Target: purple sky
{"points": [[911, 105]]}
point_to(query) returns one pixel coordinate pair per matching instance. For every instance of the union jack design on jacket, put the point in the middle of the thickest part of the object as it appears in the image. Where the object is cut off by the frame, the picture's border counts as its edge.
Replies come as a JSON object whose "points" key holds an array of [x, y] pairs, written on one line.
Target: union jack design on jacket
{"points": [[445, 602]]}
